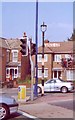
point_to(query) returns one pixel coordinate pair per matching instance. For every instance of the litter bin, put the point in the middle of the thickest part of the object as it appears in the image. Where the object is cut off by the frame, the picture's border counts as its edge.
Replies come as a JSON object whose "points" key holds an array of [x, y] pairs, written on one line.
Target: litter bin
{"points": [[22, 93]]}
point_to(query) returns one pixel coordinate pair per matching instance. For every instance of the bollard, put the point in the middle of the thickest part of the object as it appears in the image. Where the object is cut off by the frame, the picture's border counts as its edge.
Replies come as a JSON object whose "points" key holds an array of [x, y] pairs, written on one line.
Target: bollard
{"points": [[22, 93]]}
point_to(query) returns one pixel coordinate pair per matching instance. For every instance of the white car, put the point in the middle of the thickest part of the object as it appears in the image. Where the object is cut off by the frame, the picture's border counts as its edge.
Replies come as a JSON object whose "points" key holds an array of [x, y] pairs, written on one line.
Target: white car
{"points": [[56, 85], [8, 105]]}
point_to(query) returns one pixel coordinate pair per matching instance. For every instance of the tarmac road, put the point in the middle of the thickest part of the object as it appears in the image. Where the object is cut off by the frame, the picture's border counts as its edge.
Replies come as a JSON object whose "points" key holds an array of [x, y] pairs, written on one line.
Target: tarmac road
{"points": [[18, 116], [69, 104]]}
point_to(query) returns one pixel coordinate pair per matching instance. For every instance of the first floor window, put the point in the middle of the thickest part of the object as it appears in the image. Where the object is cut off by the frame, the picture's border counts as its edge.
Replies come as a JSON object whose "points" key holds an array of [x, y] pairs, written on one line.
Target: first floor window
{"points": [[15, 55], [57, 58], [40, 57], [67, 56]]}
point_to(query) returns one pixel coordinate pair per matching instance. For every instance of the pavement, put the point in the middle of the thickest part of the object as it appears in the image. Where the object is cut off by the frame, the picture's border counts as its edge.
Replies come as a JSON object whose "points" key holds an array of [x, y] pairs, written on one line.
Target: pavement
{"points": [[41, 107]]}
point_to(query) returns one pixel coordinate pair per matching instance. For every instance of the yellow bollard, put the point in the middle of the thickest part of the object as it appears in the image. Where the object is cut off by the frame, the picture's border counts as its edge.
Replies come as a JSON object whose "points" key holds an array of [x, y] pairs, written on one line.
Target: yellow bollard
{"points": [[21, 93]]}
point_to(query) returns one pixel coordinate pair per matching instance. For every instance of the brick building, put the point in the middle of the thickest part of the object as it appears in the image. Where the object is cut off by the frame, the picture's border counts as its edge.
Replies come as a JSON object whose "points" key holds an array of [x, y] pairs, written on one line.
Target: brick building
{"points": [[3, 58], [53, 53], [11, 59]]}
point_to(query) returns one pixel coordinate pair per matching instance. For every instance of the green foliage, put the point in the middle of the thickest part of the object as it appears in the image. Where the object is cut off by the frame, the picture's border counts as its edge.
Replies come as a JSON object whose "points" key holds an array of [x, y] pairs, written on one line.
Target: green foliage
{"points": [[73, 81], [26, 81]]}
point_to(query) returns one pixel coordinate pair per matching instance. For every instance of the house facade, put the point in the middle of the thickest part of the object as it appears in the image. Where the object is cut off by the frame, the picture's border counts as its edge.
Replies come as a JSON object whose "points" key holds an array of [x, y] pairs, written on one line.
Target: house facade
{"points": [[3, 58], [53, 54], [13, 64]]}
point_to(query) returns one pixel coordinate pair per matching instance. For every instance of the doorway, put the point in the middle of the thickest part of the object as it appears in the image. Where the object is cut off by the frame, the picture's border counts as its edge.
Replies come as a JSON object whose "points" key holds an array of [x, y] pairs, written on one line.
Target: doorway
{"points": [[11, 74]]}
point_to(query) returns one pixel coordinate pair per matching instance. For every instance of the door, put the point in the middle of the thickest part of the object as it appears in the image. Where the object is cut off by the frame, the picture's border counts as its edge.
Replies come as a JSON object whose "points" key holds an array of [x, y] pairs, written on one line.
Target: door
{"points": [[56, 74], [47, 86], [52, 85], [11, 74]]}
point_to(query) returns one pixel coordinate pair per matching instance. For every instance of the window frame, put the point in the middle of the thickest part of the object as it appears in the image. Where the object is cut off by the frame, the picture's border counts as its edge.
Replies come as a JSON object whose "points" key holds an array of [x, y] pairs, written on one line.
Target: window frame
{"points": [[40, 69], [39, 58], [56, 59], [13, 60]]}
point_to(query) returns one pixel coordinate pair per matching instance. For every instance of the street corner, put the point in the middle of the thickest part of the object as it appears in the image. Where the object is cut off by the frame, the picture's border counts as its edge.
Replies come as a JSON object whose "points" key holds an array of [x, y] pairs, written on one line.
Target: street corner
{"points": [[24, 101]]}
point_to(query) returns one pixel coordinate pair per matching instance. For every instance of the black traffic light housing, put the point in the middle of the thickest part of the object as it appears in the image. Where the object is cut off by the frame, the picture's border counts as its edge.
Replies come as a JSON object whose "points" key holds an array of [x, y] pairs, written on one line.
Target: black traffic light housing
{"points": [[64, 62], [33, 49], [23, 46], [70, 63]]}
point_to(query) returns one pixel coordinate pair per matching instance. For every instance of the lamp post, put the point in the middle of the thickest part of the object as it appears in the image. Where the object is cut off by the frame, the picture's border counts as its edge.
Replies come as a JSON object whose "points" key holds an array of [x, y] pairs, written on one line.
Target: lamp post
{"points": [[43, 29]]}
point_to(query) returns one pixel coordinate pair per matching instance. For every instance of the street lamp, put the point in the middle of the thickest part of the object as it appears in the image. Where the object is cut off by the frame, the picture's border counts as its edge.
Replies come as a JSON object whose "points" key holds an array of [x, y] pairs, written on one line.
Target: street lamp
{"points": [[43, 29]]}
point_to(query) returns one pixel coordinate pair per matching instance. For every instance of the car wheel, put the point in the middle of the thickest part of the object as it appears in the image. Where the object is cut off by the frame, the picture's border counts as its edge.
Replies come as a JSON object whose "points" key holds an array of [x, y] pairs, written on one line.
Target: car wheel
{"points": [[4, 112], [39, 90], [64, 90]]}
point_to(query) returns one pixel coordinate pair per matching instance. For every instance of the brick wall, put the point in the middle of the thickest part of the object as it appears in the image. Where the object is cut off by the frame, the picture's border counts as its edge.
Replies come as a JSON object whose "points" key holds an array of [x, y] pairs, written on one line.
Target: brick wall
{"points": [[3, 65], [25, 67]]}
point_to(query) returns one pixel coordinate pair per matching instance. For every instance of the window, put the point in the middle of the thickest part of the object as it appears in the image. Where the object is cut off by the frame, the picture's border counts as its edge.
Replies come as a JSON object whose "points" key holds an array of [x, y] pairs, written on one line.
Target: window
{"points": [[15, 71], [67, 56], [70, 74], [15, 55], [45, 58], [8, 55], [7, 71], [39, 72], [45, 72], [39, 58], [57, 58]]}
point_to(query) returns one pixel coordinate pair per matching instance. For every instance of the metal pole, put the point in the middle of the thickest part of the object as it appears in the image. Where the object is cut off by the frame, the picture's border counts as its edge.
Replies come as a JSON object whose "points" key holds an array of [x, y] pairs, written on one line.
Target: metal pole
{"points": [[42, 64], [32, 71], [36, 66]]}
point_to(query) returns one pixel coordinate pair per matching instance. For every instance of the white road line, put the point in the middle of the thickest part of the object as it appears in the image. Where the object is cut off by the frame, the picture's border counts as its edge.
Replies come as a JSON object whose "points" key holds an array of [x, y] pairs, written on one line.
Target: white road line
{"points": [[26, 114]]}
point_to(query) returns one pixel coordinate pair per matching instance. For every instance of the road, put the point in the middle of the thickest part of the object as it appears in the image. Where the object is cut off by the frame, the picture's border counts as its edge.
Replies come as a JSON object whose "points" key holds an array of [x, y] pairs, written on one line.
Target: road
{"points": [[69, 104], [17, 116], [66, 103]]}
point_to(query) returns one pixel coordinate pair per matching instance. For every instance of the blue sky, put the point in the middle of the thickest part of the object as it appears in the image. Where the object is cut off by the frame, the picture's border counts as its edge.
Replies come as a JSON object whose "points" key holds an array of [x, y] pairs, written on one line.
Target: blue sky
{"points": [[19, 17]]}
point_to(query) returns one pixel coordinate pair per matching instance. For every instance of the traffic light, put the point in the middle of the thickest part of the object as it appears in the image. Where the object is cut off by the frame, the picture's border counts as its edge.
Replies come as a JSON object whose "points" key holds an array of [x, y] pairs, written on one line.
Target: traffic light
{"points": [[23, 46], [70, 62], [64, 62], [33, 49]]}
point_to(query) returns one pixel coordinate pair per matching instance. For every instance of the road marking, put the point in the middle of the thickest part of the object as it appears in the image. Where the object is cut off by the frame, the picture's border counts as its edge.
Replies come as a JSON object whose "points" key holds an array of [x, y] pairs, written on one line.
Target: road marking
{"points": [[27, 115]]}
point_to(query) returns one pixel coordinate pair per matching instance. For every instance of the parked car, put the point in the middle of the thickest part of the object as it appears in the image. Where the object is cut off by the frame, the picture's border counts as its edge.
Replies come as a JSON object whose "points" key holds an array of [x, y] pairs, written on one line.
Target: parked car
{"points": [[56, 85], [8, 105]]}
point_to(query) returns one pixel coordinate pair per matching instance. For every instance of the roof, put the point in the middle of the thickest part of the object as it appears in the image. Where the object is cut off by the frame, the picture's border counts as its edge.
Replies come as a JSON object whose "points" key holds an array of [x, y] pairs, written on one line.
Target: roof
{"points": [[3, 43], [46, 50], [10, 43], [14, 64], [14, 43], [58, 47]]}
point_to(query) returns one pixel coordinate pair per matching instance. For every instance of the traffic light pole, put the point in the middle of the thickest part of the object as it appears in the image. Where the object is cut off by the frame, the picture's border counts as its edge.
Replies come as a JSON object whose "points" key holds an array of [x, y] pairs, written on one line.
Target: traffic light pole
{"points": [[32, 71], [36, 65]]}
